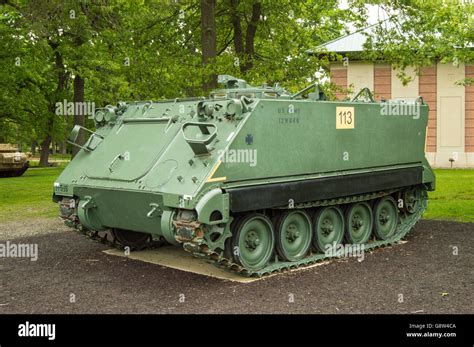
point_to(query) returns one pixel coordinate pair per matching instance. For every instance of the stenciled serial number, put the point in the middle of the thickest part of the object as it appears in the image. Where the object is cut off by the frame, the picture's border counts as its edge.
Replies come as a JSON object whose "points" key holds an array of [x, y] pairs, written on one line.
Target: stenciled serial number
{"points": [[293, 120], [61, 188]]}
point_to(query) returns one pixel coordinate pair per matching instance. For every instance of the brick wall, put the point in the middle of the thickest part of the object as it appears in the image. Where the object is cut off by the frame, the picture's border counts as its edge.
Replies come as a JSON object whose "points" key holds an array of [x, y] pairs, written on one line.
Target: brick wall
{"points": [[382, 81], [427, 89], [339, 78]]}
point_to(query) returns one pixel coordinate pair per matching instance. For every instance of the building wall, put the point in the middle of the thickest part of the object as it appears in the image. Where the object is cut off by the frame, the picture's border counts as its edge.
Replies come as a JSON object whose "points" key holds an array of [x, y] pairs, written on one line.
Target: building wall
{"points": [[469, 120], [382, 81], [339, 78], [409, 90], [450, 129], [450, 133], [360, 75], [427, 82]]}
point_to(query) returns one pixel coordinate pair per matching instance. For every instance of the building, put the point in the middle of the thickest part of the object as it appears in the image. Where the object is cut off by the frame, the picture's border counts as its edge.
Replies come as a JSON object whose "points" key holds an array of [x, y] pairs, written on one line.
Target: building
{"points": [[450, 133]]}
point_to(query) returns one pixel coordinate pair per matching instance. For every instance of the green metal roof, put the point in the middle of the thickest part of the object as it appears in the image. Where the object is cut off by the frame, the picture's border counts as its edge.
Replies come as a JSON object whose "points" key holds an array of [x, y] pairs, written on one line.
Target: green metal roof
{"points": [[353, 42]]}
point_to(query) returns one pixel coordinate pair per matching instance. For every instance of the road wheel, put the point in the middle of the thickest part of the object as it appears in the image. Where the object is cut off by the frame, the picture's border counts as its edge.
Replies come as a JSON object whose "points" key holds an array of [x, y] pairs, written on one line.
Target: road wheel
{"points": [[328, 227], [385, 217], [253, 241], [293, 234], [358, 223]]}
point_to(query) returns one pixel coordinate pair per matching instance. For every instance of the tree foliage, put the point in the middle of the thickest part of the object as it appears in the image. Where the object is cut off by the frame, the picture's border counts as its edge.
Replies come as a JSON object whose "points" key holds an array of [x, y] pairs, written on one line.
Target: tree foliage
{"points": [[419, 33], [149, 50]]}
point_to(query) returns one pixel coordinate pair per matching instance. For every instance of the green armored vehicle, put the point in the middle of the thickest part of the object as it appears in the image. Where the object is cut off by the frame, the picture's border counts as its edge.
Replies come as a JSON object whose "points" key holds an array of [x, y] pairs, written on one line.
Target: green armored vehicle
{"points": [[255, 179], [13, 163]]}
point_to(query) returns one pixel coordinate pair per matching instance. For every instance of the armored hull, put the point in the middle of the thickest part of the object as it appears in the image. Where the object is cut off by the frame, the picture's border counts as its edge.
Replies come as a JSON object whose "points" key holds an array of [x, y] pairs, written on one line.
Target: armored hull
{"points": [[13, 163], [254, 178]]}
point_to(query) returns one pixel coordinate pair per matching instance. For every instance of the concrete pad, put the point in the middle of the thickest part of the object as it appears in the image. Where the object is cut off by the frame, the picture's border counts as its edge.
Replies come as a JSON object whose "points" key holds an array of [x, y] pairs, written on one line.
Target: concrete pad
{"points": [[177, 258]]}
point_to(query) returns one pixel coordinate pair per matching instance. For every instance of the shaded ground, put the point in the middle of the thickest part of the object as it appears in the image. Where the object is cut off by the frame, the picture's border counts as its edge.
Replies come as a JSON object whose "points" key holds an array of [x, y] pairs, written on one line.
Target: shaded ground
{"points": [[423, 272]]}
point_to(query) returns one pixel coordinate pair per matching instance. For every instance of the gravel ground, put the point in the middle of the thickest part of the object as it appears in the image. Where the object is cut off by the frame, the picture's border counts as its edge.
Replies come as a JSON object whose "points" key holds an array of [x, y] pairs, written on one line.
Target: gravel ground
{"points": [[419, 276]]}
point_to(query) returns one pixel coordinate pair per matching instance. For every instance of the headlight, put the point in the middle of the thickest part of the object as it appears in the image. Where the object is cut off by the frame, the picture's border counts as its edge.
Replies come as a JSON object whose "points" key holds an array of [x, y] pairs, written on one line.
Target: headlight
{"points": [[99, 116]]}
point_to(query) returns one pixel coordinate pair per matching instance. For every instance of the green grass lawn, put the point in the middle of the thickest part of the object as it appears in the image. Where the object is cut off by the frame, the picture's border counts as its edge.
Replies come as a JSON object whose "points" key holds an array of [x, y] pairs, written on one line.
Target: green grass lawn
{"points": [[30, 195], [55, 159], [454, 196]]}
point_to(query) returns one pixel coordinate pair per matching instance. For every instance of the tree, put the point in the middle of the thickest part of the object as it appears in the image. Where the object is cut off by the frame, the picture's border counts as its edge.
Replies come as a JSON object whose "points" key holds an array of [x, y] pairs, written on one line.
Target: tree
{"points": [[40, 78], [102, 52], [270, 39], [245, 50], [66, 31], [420, 33], [208, 38]]}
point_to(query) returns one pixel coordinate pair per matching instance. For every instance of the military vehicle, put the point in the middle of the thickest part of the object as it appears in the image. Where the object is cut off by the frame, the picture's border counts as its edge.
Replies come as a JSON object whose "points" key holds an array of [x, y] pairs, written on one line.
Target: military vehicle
{"points": [[13, 163], [256, 179]]}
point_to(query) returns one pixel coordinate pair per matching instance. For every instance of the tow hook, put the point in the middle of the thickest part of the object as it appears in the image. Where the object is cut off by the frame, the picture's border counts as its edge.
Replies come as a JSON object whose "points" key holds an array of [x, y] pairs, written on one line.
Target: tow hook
{"points": [[155, 209], [88, 203]]}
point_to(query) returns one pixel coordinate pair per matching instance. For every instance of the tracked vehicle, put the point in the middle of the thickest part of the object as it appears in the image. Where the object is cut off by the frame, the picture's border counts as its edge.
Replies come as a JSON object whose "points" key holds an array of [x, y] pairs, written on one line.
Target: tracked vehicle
{"points": [[255, 179], [13, 163]]}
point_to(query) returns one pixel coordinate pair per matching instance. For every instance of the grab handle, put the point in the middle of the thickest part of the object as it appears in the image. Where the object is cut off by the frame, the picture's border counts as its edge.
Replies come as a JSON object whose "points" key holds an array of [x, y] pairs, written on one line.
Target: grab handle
{"points": [[93, 141], [207, 130]]}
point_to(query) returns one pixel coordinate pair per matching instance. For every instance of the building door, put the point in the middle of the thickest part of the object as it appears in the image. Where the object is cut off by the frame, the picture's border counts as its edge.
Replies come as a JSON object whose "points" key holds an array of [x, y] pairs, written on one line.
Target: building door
{"points": [[450, 123]]}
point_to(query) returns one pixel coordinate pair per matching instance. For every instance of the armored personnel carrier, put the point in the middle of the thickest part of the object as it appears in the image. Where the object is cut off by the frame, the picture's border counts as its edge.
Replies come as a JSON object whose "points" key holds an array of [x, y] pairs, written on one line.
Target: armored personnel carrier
{"points": [[254, 178], [13, 163]]}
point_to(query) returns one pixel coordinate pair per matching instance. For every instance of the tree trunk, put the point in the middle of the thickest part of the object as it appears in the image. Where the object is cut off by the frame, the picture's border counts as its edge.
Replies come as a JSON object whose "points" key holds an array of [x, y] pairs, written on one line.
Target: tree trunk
{"points": [[246, 52], [62, 147], [79, 117], [238, 36], [33, 147], [45, 151], [250, 37], [61, 74], [208, 38]]}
